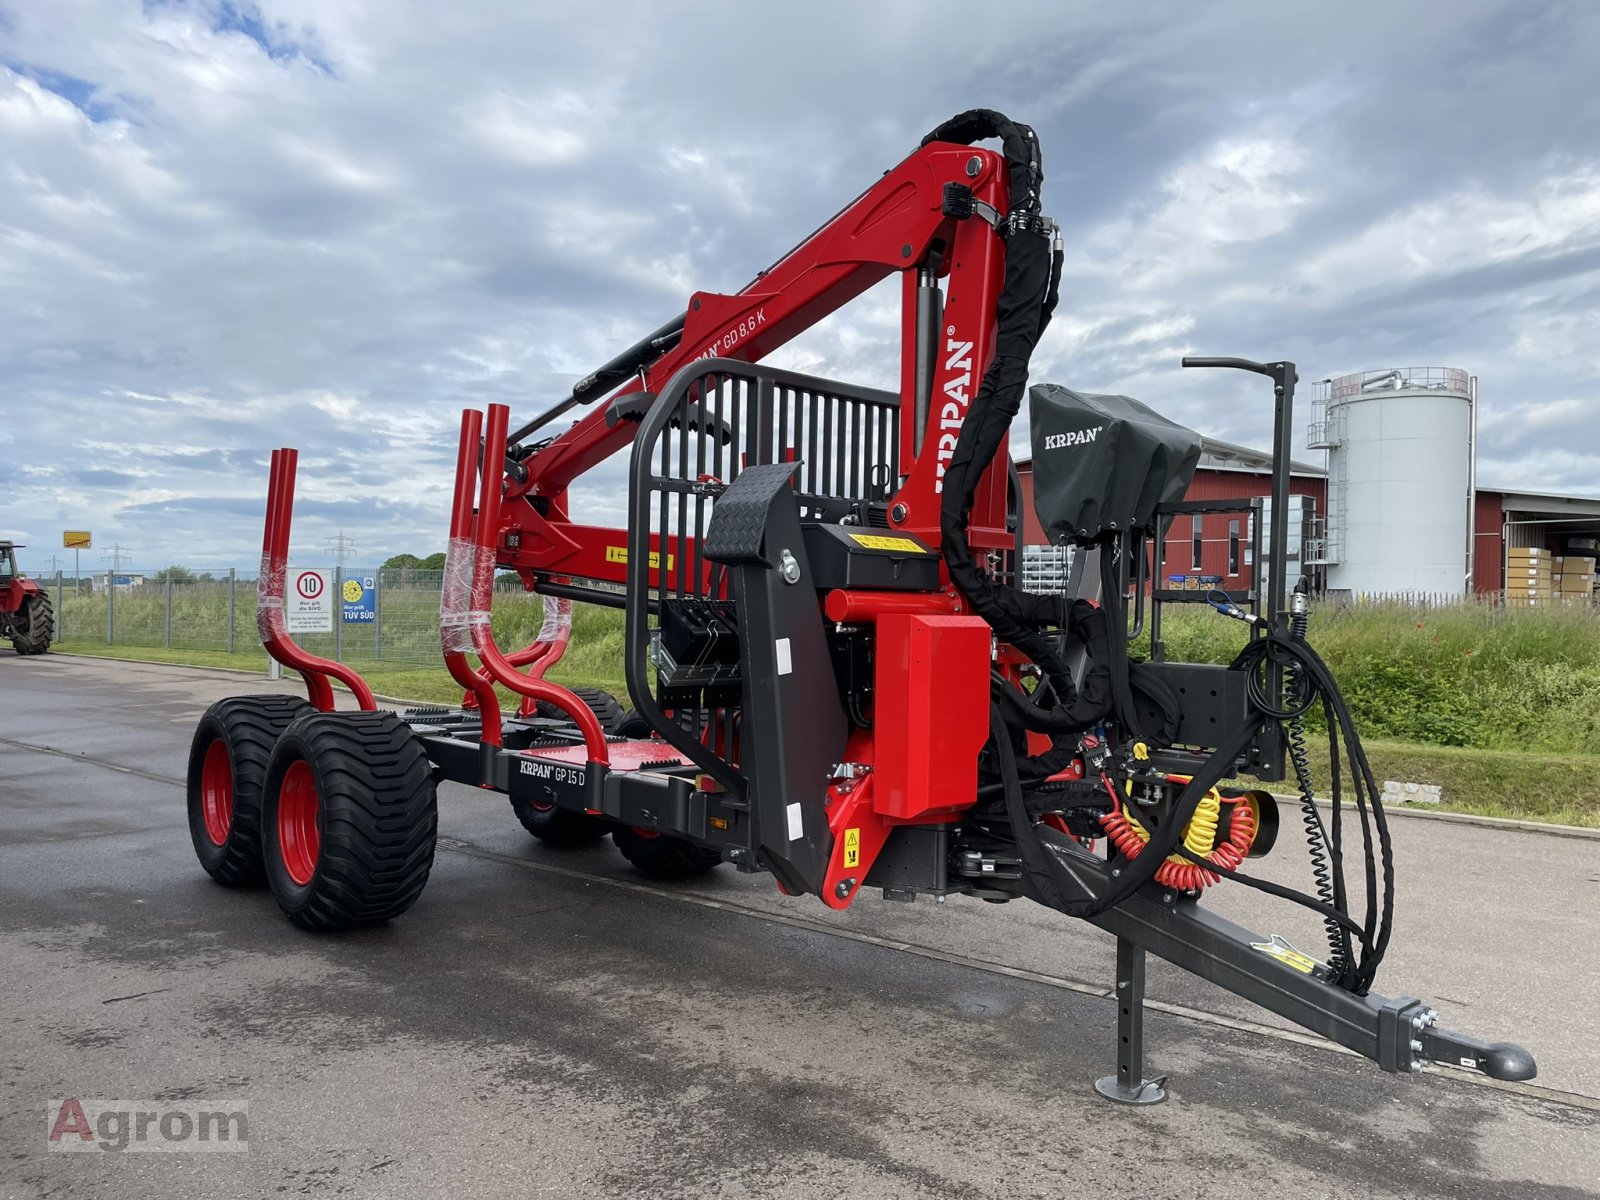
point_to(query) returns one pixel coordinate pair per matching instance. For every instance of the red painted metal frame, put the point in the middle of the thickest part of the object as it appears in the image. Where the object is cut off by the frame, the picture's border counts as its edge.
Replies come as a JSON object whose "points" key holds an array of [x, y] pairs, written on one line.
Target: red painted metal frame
{"points": [[269, 604], [891, 227], [894, 226], [537, 656], [492, 483]]}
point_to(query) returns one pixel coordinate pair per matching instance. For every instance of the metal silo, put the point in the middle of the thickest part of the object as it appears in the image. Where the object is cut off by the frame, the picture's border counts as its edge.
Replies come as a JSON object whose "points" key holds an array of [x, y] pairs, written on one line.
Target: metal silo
{"points": [[1400, 480]]}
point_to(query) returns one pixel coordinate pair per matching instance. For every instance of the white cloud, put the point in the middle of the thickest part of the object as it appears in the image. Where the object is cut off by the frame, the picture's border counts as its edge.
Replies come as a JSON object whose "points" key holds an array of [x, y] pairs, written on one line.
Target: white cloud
{"points": [[1459, 231], [211, 246], [1240, 190]]}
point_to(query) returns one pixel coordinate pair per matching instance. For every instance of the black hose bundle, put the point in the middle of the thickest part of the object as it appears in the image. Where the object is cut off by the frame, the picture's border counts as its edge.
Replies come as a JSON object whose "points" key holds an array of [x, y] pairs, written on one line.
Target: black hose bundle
{"points": [[1057, 871], [1027, 300], [1372, 932]]}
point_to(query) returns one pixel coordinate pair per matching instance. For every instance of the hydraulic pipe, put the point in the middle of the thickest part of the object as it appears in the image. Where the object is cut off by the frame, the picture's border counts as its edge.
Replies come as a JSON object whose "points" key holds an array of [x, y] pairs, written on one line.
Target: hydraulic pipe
{"points": [[930, 317], [487, 534], [270, 622], [620, 369], [842, 606]]}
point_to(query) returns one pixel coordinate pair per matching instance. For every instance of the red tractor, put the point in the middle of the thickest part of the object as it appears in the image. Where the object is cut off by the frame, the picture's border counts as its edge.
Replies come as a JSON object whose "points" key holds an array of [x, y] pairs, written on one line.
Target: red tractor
{"points": [[26, 616], [836, 678]]}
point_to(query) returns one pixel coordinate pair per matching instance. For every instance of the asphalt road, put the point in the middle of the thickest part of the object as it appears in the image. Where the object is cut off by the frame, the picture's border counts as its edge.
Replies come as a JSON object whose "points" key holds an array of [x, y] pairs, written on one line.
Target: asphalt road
{"points": [[548, 1024]]}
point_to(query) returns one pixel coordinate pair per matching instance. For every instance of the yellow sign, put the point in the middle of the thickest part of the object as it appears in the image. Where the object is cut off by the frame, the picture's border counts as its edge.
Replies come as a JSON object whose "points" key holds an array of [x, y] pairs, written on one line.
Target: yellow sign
{"points": [[877, 541], [75, 539], [619, 554], [353, 591], [852, 847]]}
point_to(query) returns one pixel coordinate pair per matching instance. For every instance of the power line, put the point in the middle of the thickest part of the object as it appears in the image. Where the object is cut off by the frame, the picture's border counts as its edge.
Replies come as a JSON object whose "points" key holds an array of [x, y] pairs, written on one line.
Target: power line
{"points": [[341, 547], [118, 555]]}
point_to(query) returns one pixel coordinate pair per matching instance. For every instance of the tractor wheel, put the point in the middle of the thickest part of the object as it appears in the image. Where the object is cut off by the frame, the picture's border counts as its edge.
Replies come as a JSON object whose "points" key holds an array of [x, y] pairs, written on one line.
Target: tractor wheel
{"points": [[632, 725], [349, 817], [227, 766], [34, 632], [601, 703], [561, 827], [662, 857]]}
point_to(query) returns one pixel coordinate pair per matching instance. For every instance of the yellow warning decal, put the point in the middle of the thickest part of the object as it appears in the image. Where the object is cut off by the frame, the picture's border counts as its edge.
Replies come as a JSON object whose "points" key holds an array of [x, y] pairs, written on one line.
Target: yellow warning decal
{"points": [[619, 554], [852, 847], [1287, 954], [878, 541]]}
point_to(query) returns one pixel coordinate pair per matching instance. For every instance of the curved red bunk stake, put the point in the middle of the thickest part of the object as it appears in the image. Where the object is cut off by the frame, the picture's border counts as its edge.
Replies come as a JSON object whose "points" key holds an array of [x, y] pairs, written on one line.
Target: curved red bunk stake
{"points": [[269, 596], [452, 615], [538, 656], [469, 584]]}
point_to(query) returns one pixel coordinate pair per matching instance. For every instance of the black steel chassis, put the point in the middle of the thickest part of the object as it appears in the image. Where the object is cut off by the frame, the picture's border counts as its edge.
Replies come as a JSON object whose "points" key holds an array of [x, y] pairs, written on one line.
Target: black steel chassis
{"points": [[1400, 1034], [674, 784]]}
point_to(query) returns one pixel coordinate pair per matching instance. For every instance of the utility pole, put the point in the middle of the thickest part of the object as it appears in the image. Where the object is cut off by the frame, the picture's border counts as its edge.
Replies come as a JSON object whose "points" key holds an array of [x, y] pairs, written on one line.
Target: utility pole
{"points": [[118, 555], [341, 548]]}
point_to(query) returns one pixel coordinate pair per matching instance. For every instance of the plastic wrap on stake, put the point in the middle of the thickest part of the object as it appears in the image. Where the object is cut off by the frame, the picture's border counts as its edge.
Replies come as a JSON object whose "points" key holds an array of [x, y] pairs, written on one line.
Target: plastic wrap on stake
{"points": [[269, 599], [455, 596], [557, 625]]}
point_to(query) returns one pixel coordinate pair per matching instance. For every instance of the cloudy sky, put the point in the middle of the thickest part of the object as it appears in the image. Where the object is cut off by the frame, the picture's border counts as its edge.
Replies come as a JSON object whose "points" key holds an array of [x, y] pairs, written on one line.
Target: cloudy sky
{"points": [[226, 226]]}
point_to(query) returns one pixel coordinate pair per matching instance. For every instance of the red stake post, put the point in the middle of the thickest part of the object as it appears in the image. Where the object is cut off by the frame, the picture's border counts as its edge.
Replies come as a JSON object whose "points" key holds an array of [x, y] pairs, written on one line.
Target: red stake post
{"points": [[469, 570], [270, 622]]}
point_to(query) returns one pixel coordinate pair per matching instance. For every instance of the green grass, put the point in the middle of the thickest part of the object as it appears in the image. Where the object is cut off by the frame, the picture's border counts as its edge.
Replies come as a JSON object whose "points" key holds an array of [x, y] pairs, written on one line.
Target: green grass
{"points": [[593, 659], [403, 681], [1560, 789], [1500, 708], [1474, 676]]}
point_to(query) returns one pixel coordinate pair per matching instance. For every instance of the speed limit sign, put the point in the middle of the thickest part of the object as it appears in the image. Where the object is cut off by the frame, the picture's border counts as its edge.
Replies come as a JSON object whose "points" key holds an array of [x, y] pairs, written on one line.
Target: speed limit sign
{"points": [[308, 604]]}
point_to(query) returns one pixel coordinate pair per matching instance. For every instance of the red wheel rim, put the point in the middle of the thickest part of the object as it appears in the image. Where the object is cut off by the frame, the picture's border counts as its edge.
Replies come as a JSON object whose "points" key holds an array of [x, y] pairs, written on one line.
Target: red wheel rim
{"points": [[647, 834], [216, 792], [540, 807], [298, 840]]}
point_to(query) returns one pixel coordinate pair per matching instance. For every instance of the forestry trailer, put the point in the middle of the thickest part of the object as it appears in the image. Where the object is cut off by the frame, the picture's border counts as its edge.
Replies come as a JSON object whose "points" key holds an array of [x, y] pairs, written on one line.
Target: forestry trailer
{"points": [[835, 676]]}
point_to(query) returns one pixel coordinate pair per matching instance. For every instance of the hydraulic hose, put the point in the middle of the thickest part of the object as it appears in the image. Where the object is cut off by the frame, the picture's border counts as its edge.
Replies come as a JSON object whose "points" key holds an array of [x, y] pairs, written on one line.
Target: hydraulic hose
{"points": [[1327, 875], [1029, 293], [1314, 682]]}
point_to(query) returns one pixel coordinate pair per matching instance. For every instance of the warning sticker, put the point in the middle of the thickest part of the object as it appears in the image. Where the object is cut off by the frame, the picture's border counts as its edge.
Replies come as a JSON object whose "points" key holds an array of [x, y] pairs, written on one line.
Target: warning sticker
{"points": [[878, 541], [619, 554], [852, 847], [1281, 950]]}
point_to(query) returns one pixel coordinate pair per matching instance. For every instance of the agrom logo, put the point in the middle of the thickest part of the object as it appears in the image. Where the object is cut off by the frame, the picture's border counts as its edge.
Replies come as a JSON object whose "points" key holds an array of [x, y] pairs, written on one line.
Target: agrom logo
{"points": [[1079, 437], [147, 1126]]}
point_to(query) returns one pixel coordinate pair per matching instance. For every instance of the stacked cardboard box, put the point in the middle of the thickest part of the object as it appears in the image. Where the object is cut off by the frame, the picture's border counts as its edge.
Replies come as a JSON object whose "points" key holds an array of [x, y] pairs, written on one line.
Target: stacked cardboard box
{"points": [[1530, 577], [1574, 579], [1586, 546]]}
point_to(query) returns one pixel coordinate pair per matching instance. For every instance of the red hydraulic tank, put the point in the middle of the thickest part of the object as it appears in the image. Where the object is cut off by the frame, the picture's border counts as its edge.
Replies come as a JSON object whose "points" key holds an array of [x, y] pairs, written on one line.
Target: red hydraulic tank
{"points": [[931, 715]]}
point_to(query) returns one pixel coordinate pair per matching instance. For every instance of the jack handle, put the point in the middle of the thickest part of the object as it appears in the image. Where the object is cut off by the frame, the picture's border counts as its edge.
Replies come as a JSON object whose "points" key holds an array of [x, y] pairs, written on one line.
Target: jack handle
{"points": [[1238, 364], [270, 624]]}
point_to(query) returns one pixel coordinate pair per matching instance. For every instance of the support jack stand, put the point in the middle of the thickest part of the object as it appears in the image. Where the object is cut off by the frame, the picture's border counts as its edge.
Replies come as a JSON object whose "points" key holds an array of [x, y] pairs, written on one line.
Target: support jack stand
{"points": [[1128, 1085]]}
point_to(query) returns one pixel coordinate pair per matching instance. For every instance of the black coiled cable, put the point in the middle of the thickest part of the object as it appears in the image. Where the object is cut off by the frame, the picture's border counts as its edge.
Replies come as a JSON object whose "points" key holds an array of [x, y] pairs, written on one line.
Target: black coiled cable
{"points": [[1314, 682], [1326, 874]]}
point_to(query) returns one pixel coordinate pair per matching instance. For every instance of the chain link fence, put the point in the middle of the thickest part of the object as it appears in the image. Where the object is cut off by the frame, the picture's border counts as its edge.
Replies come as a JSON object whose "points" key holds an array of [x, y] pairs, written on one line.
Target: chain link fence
{"points": [[396, 622]]}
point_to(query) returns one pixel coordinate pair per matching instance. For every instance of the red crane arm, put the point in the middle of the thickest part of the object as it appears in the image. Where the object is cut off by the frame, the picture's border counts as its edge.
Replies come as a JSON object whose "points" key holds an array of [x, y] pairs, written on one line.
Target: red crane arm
{"points": [[898, 224]]}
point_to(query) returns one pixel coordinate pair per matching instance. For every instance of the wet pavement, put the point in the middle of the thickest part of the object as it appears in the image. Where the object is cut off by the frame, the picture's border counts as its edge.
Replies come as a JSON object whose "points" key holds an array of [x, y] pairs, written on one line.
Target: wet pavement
{"points": [[547, 1023]]}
